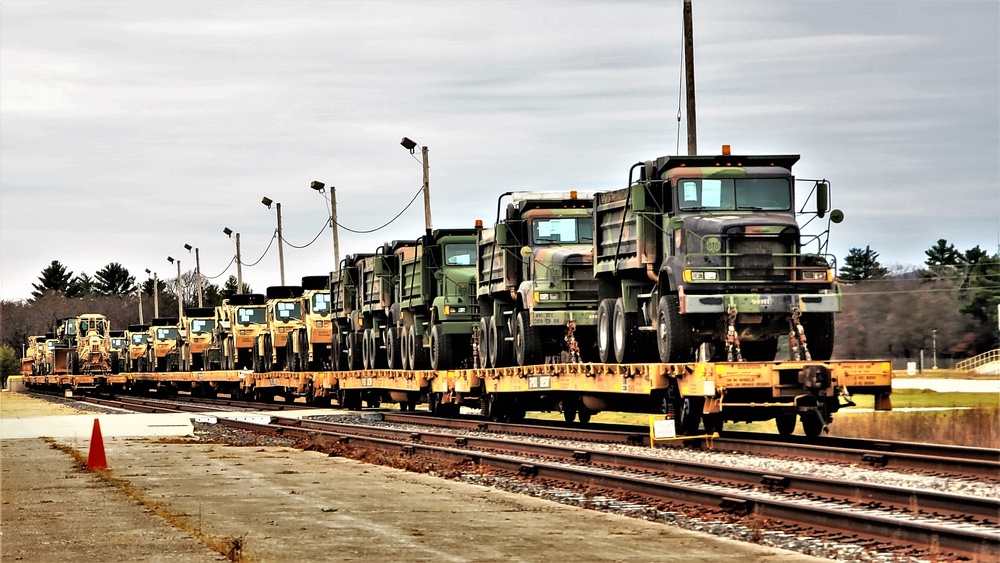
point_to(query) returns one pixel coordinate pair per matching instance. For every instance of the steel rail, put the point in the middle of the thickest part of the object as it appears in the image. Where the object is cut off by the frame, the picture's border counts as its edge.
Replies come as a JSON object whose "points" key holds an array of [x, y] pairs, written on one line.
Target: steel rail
{"points": [[934, 537]]}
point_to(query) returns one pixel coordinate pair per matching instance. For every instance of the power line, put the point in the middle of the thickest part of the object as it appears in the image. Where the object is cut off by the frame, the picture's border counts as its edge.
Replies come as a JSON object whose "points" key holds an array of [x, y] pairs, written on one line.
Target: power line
{"points": [[323, 228], [274, 235], [419, 191], [231, 262]]}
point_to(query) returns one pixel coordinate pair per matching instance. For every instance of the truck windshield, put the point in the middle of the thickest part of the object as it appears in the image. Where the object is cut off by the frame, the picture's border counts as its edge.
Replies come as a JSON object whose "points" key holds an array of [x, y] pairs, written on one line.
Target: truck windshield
{"points": [[285, 311], [246, 316], [140, 338], [734, 194], [321, 303], [117, 343], [562, 230], [201, 326], [460, 254], [167, 333]]}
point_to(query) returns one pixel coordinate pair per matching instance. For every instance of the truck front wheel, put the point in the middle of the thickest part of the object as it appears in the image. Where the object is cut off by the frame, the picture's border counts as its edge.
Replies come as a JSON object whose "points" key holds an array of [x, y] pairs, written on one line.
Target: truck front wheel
{"points": [[819, 334], [673, 334], [440, 348]]}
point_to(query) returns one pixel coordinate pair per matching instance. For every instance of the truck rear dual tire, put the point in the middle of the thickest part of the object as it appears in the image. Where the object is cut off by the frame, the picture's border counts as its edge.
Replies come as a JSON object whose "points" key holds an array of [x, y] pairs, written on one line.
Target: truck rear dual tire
{"points": [[393, 355], [527, 341], [500, 349], [605, 316], [820, 332]]}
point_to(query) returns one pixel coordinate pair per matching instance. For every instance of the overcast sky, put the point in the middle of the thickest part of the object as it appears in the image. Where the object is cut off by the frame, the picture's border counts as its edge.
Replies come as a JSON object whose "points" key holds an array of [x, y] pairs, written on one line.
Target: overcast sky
{"points": [[129, 128]]}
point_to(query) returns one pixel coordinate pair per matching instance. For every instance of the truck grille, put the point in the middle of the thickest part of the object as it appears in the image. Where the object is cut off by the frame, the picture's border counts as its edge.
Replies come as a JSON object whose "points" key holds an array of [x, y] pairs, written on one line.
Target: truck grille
{"points": [[760, 259], [582, 285]]}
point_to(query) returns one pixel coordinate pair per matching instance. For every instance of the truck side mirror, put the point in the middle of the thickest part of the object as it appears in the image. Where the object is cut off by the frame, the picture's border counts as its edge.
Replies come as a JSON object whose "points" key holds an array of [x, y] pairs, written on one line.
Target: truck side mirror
{"points": [[823, 199], [836, 216], [675, 223]]}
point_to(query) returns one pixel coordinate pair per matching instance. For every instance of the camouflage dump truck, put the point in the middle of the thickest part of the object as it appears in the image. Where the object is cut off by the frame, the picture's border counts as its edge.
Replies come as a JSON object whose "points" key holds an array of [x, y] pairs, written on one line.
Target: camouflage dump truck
{"points": [[239, 321], [535, 283], [435, 312], [201, 351], [284, 315], [48, 354], [34, 353], [344, 288], [377, 275], [164, 352], [309, 346], [84, 345], [119, 351], [138, 345], [706, 249]]}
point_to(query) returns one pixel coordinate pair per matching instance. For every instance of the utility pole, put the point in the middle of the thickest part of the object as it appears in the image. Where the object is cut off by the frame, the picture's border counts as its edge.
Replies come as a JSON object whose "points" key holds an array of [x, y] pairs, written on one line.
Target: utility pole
{"points": [[138, 292], [281, 252], [239, 267], [336, 228], [197, 274], [427, 189], [692, 128]]}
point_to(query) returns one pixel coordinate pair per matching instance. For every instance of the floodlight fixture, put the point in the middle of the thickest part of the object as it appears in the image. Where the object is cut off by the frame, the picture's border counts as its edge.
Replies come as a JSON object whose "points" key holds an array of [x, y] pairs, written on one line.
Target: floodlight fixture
{"points": [[317, 185], [408, 144], [228, 232], [267, 201]]}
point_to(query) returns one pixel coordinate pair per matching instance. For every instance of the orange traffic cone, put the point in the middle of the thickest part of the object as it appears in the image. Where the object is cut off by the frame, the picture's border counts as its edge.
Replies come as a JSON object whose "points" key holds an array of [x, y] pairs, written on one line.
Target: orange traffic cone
{"points": [[96, 459]]}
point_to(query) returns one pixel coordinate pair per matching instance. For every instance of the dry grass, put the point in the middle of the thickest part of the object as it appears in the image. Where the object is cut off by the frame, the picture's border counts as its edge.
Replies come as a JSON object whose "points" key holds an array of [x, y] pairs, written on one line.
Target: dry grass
{"points": [[231, 548], [978, 427]]}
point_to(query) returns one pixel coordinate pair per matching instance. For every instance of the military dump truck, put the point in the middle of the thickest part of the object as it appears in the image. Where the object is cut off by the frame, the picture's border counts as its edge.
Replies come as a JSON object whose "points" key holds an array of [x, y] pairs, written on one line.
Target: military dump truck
{"points": [[435, 311], [48, 354], [119, 351], [706, 249], [138, 345], [535, 285], [376, 293], [34, 353], [284, 315], [239, 321], [344, 287], [166, 341], [308, 346], [84, 345], [200, 351]]}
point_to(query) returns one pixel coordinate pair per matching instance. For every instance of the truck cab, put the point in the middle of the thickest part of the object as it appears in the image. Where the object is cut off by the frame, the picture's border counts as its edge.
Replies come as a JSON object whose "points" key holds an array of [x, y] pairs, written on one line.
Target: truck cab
{"points": [[201, 350], [284, 316], [535, 285], [239, 321]]}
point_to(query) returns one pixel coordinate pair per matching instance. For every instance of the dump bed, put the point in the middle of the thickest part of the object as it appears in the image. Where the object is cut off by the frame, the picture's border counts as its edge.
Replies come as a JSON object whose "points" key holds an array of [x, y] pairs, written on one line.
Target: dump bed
{"points": [[629, 227]]}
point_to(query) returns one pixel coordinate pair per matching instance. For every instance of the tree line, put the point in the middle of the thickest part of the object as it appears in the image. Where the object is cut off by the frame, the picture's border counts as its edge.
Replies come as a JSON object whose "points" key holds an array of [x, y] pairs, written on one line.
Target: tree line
{"points": [[895, 312]]}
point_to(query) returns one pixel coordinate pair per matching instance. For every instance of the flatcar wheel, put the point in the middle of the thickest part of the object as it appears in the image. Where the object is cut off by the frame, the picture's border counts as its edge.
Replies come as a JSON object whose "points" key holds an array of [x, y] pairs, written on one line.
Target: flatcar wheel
{"points": [[584, 415], [812, 424], [605, 314], [785, 423], [569, 413]]}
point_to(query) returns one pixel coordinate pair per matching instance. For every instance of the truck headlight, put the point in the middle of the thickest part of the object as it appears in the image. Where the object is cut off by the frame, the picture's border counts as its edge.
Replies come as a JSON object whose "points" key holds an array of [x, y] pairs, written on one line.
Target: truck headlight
{"points": [[449, 310], [821, 275], [539, 296], [701, 275]]}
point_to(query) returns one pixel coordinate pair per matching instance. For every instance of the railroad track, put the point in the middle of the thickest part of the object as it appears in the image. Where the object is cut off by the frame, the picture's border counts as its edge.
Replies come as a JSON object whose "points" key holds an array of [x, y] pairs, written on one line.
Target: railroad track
{"points": [[940, 524], [932, 459]]}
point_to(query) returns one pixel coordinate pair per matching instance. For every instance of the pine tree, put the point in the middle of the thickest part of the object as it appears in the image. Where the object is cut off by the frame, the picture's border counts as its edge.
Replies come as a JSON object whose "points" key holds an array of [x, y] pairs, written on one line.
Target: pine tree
{"points": [[81, 286], [114, 279], [861, 265], [229, 289], [53, 278]]}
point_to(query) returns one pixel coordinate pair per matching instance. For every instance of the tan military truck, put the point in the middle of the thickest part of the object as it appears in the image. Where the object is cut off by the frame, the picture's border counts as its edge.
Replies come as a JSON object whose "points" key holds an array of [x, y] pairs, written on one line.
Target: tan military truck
{"points": [[119, 351], [138, 343], [33, 354], [309, 347], [201, 350], [238, 322], [284, 315], [164, 352]]}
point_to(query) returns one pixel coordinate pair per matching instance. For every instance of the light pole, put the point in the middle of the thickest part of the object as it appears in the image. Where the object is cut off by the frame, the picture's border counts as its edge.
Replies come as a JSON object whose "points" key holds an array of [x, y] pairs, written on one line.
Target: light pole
{"points": [[180, 297], [239, 262], [934, 342], [197, 272], [411, 146], [281, 253], [138, 293], [156, 296], [319, 187]]}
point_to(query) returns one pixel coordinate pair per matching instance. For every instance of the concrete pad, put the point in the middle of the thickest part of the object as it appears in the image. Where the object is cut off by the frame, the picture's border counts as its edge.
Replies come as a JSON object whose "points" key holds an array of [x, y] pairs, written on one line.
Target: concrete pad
{"points": [[112, 425], [56, 513], [290, 505]]}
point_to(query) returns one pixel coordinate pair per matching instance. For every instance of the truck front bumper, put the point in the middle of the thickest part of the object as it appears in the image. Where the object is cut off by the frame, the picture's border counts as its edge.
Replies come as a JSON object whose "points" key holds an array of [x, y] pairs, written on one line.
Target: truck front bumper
{"points": [[761, 303]]}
